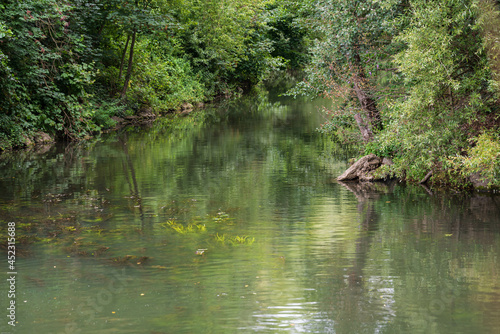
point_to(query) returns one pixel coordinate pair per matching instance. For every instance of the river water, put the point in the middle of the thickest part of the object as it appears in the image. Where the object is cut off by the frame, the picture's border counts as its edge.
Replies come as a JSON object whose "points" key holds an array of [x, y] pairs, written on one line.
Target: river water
{"points": [[230, 221]]}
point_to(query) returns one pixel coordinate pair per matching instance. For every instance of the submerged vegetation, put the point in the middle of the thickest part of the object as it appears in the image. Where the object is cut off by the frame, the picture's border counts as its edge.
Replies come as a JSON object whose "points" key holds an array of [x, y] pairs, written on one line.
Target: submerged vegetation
{"points": [[78, 235], [210, 224]]}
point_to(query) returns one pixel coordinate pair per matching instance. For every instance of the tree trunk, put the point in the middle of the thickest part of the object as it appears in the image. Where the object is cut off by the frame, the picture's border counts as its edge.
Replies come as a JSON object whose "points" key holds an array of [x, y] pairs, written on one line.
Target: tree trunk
{"points": [[426, 178], [129, 69], [367, 103], [365, 130], [361, 169], [123, 59], [368, 106]]}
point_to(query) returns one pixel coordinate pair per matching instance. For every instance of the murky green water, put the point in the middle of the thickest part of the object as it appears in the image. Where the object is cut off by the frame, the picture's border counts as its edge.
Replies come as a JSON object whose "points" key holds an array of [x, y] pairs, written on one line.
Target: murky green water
{"points": [[230, 222]]}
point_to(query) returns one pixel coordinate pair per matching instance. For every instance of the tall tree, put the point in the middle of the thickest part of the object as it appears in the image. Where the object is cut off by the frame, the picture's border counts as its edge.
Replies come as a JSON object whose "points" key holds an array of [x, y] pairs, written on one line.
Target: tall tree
{"points": [[219, 36], [140, 17], [351, 46]]}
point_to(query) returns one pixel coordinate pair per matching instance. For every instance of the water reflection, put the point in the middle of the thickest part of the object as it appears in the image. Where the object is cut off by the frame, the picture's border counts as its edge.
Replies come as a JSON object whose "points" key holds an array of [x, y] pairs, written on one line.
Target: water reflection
{"points": [[112, 229], [130, 177], [366, 194], [359, 302]]}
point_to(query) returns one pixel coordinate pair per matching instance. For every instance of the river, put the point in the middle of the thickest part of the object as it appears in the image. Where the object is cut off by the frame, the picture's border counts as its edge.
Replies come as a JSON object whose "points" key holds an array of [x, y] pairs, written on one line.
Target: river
{"points": [[230, 220]]}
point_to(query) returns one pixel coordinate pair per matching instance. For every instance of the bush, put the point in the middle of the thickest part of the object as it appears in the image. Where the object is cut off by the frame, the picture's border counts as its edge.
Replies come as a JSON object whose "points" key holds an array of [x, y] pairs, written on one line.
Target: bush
{"points": [[483, 159], [162, 81]]}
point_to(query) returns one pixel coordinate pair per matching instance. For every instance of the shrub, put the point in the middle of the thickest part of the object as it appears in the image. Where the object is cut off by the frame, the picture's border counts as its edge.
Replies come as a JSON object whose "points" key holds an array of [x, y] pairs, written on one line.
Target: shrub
{"points": [[162, 80], [483, 158]]}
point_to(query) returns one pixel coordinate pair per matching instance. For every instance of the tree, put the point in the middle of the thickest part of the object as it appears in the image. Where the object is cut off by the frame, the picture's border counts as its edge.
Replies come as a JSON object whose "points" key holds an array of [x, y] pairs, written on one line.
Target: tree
{"points": [[289, 35], [67, 67], [49, 82], [219, 36], [135, 18], [449, 92], [347, 55]]}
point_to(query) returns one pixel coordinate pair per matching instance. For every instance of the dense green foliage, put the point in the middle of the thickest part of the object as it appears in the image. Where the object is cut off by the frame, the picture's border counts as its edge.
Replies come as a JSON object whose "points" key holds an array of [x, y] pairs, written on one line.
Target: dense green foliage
{"points": [[417, 79], [68, 67]]}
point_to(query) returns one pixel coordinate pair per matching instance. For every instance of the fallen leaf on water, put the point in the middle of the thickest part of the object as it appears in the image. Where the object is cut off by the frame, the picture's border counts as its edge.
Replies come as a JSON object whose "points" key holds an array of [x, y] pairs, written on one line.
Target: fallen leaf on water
{"points": [[200, 251]]}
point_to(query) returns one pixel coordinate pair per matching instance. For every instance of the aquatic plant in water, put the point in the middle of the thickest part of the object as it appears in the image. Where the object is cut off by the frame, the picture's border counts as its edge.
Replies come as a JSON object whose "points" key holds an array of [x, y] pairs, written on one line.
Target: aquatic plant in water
{"points": [[219, 218], [183, 229], [234, 240]]}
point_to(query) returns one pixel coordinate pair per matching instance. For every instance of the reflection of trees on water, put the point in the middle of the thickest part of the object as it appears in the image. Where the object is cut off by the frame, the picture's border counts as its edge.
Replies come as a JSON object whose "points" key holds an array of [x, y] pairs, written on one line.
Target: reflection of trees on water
{"points": [[366, 194], [466, 218], [354, 306], [128, 168], [419, 261]]}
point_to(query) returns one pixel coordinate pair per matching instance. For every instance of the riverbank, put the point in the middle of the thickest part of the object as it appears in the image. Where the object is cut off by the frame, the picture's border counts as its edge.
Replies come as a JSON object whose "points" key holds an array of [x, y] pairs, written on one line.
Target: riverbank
{"points": [[371, 168], [38, 139], [112, 114]]}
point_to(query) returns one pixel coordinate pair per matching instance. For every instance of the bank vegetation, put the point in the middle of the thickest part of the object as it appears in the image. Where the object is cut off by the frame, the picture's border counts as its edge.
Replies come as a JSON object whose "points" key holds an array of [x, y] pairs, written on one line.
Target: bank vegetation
{"points": [[416, 81]]}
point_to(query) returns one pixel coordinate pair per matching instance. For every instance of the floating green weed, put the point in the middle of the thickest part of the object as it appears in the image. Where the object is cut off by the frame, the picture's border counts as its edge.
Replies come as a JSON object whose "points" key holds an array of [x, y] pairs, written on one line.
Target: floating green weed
{"points": [[222, 217], [220, 238], [210, 223], [242, 240], [235, 240], [183, 229], [94, 229]]}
